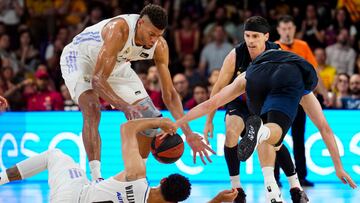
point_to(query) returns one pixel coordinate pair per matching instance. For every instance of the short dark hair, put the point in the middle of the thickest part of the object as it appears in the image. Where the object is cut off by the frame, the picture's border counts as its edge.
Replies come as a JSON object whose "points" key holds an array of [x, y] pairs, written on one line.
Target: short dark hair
{"points": [[257, 21], [175, 188], [156, 14], [286, 19]]}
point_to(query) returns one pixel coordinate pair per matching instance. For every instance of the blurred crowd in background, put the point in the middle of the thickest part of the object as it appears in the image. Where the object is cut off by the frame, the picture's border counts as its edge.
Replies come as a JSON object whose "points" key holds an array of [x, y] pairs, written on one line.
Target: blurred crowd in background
{"points": [[200, 34]]}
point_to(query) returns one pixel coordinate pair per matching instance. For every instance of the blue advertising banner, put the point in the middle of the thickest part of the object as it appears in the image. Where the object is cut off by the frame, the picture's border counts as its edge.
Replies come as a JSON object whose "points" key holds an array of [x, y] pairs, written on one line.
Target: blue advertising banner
{"points": [[24, 135]]}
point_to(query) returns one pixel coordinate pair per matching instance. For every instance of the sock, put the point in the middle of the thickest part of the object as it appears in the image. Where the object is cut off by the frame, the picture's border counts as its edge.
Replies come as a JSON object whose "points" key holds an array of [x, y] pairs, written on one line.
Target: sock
{"points": [[265, 134], [294, 181], [233, 164], [235, 181], [3, 178], [95, 169], [271, 187], [285, 161], [145, 160]]}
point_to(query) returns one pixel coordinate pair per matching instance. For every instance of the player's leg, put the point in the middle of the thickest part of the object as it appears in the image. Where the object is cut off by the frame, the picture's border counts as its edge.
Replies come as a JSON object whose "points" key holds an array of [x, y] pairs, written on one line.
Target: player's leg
{"points": [[66, 178], [77, 71], [90, 108], [26, 168], [234, 123]]}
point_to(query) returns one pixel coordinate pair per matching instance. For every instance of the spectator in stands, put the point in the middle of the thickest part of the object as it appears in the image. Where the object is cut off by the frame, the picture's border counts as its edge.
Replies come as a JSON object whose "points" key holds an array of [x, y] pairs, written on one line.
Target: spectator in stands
{"points": [[312, 31], [200, 94], [191, 73], [11, 90], [327, 73], [153, 79], [214, 53], [187, 38], [341, 89], [71, 12], [151, 82], [342, 20], [6, 53], [353, 101], [43, 99], [11, 12], [27, 55], [69, 104], [181, 85], [341, 55]]}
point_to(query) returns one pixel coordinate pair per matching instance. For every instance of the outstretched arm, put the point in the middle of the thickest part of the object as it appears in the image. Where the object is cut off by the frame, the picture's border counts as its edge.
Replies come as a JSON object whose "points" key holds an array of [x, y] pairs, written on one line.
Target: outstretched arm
{"points": [[227, 94], [134, 165], [173, 102], [313, 109]]}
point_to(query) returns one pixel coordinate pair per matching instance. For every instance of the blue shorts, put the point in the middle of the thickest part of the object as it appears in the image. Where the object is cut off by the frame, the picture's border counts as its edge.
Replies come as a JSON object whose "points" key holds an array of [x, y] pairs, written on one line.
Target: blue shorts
{"points": [[274, 87]]}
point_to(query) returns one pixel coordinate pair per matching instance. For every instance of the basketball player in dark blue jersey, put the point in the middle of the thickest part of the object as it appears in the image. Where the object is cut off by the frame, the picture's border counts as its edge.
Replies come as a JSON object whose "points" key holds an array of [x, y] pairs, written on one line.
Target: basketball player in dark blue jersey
{"points": [[275, 83], [236, 63]]}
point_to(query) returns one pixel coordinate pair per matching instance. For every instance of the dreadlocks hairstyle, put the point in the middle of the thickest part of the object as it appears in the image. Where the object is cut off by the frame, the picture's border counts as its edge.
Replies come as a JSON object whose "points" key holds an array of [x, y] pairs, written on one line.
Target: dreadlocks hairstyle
{"points": [[156, 14], [175, 188]]}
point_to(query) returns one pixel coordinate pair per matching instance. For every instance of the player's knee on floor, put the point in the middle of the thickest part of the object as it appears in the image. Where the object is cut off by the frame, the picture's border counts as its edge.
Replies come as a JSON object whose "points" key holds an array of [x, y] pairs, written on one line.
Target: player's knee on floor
{"points": [[150, 112]]}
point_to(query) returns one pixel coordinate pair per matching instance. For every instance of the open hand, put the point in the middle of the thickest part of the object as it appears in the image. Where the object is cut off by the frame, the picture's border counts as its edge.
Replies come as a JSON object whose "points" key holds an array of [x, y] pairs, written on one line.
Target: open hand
{"points": [[345, 178], [199, 147]]}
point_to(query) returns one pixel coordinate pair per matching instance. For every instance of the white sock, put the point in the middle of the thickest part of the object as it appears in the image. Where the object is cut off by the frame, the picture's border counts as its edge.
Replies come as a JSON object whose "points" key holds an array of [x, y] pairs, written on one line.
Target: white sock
{"points": [[3, 178], [95, 166], [271, 187], [235, 181], [145, 160], [265, 134], [294, 181]]}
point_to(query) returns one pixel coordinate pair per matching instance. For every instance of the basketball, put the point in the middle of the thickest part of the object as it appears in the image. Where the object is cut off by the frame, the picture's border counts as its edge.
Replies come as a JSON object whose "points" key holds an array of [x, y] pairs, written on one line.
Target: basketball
{"points": [[167, 150]]}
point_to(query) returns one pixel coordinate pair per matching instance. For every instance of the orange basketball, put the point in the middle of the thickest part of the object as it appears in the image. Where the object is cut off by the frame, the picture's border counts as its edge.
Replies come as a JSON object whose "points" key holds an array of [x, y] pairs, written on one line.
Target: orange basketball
{"points": [[167, 150]]}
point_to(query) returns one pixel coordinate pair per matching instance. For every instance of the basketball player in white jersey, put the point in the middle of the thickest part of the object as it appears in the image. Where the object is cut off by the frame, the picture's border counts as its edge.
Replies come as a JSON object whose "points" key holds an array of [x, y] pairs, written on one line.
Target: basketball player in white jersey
{"points": [[68, 182], [3, 104], [97, 64]]}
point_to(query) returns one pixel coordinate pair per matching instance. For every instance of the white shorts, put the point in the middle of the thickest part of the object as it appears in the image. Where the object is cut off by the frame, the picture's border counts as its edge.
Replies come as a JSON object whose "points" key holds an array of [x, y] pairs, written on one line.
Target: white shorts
{"points": [[66, 178], [77, 70]]}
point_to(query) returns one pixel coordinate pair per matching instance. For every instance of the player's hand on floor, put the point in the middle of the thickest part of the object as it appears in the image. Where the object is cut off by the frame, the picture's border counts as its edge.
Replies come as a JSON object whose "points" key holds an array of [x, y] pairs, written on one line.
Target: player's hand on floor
{"points": [[225, 196], [133, 111], [345, 178], [208, 131], [198, 147], [3, 104]]}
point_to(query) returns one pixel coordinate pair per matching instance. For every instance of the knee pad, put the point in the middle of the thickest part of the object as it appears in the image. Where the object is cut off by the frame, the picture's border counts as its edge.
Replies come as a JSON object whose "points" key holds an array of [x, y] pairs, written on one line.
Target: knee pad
{"points": [[150, 112]]}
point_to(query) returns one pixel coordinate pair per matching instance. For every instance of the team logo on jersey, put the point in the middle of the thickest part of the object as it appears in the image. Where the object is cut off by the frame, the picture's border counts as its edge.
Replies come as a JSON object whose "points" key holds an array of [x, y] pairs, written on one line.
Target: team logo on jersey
{"points": [[138, 92], [144, 55]]}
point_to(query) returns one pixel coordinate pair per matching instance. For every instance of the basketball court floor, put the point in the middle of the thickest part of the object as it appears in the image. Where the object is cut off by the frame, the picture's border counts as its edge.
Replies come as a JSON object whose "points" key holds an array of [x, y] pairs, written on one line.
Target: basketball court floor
{"points": [[37, 192]]}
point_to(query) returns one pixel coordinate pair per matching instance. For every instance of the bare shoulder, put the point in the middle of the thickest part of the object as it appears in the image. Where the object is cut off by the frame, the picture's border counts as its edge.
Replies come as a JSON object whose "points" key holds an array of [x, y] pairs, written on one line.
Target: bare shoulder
{"points": [[161, 53], [116, 27], [161, 45]]}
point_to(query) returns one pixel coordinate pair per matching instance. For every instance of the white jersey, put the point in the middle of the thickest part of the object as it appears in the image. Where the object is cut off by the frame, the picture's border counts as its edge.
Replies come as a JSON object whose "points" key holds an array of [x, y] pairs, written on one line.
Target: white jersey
{"points": [[90, 41], [111, 190], [79, 58]]}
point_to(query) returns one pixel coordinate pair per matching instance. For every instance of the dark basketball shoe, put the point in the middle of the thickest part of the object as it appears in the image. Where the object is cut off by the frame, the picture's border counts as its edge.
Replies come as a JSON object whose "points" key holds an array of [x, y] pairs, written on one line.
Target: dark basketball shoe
{"points": [[241, 196], [248, 143], [298, 196]]}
